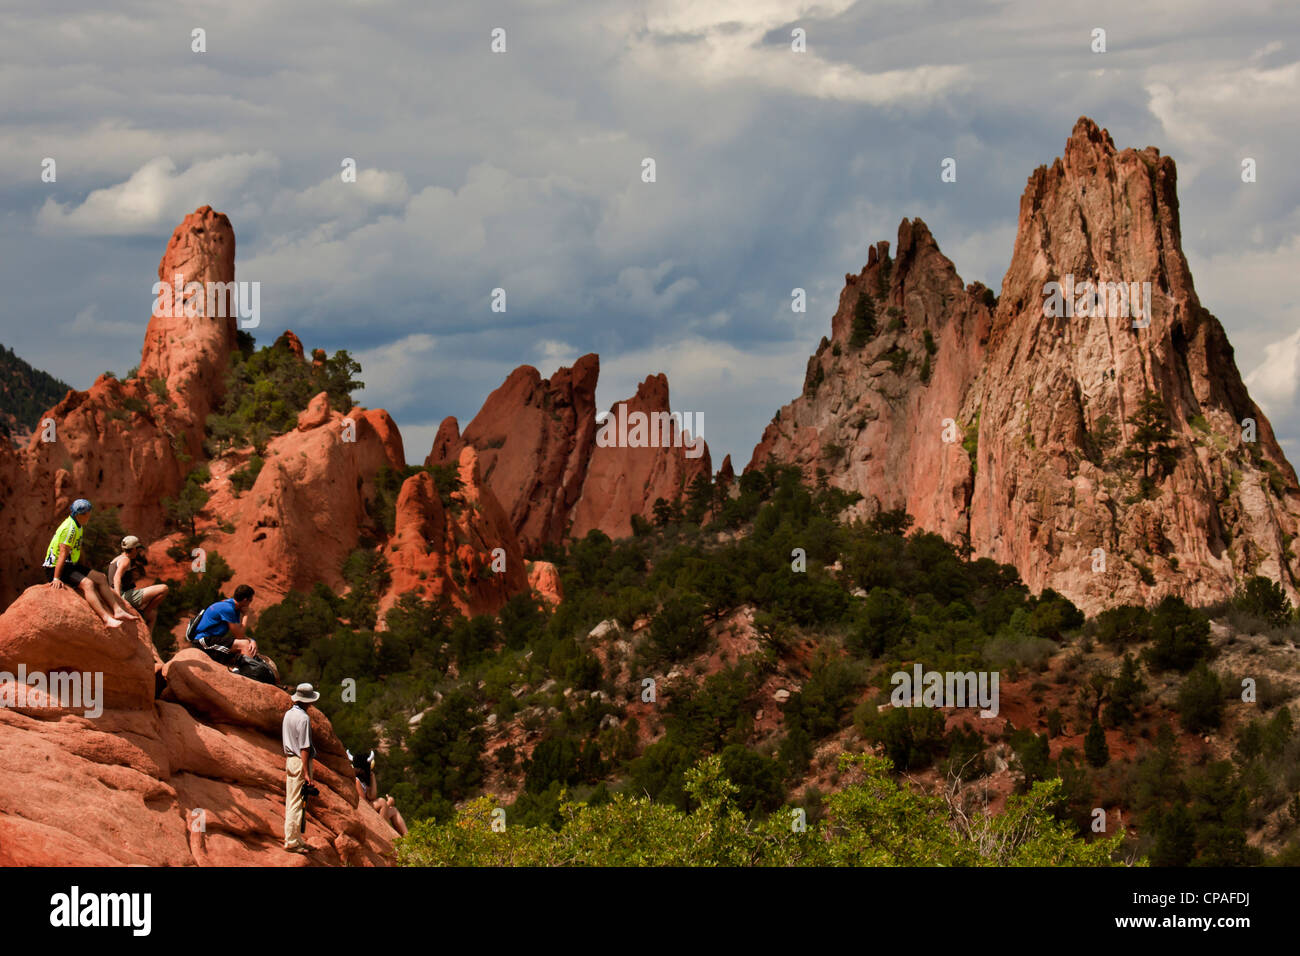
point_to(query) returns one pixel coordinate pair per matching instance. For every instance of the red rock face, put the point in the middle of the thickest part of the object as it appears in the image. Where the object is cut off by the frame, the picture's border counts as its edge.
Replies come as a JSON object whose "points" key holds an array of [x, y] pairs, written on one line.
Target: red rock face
{"points": [[544, 579], [995, 444], [465, 554], [872, 416], [190, 352], [307, 509], [118, 443], [196, 777], [1226, 509], [623, 481], [537, 441], [534, 438]]}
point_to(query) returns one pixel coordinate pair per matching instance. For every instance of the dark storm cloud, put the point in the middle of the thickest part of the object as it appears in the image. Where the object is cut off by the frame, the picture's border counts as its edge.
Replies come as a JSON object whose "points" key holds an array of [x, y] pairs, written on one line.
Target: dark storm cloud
{"points": [[522, 171]]}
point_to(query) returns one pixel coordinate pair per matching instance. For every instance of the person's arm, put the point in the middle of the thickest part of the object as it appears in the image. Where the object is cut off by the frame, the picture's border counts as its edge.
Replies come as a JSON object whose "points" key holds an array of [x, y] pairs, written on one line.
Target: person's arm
{"points": [[118, 568], [305, 756], [64, 551], [236, 630]]}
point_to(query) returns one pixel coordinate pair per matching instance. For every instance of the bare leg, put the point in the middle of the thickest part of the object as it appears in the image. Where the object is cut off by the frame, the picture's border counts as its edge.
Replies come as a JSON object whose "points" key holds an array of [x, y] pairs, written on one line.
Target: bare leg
{"points": [[121, 609], [91, 594], [153, 597], [394, 817]]}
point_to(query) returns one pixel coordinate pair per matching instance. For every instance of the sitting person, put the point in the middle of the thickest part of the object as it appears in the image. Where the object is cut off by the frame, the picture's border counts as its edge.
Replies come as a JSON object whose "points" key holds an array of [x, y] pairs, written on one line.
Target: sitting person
{"points": [[220, 629], [122, 574], [63, 566], [368, 789]]}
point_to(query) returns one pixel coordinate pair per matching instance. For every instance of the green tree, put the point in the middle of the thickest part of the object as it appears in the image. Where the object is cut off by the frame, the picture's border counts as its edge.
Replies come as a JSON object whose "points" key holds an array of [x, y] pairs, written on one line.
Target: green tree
{"points": [[864, 320], [1152, 440], [1180, 637], [1125, 694], [1265, 600], [1095, 750], [1200, 701], [187, 507]]}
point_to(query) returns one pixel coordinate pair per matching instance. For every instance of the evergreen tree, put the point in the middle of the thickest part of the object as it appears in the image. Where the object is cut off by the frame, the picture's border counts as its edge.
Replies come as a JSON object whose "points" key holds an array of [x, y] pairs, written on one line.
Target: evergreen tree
{"points": [[864, 321], [1200, 701], [1095, 750], [1152, 440], [1124, 694]]}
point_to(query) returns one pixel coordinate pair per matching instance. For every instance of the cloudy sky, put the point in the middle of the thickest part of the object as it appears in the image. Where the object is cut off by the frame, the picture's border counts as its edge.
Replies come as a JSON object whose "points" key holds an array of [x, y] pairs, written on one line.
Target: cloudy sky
{"points": [[522, 170]]}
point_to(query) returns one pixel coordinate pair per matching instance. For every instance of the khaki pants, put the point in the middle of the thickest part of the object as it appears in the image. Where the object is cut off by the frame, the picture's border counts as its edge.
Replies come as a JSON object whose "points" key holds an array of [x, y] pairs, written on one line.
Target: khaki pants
{"points": [[293, 802]]}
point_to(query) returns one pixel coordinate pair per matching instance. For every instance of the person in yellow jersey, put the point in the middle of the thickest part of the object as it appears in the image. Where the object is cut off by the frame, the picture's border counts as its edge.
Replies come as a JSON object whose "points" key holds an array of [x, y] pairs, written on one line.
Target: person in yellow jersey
{"points": [[63, 567]]}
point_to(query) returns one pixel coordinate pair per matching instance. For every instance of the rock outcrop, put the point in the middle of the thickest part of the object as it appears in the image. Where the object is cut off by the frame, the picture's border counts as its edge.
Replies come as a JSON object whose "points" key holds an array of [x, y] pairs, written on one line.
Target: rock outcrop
{"points": [[623, 481], [1015, 431], [534, 438], [537, 443], [124, 444], [462, 553], [307, 509], [193, 776]]}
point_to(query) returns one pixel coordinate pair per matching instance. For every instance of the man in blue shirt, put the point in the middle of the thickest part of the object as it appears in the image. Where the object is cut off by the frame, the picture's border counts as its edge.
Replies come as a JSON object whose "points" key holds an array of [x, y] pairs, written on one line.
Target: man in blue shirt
{"points": [[220, 630]]}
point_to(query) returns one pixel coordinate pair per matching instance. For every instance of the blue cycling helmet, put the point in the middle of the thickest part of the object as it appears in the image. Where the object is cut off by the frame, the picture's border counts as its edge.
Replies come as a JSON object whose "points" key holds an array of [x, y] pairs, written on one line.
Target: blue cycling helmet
{"points": [[80, 507]]}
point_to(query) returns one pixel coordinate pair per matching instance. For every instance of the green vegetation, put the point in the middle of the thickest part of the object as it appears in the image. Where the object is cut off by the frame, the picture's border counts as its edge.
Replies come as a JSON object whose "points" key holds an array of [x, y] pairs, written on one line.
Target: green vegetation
{"points": [[1152, 442], [101, 539], [873, 821], [864, 321], [971, 441], [590, 789], [186, 508], [244, 478], [268, 388], [26, 393]]}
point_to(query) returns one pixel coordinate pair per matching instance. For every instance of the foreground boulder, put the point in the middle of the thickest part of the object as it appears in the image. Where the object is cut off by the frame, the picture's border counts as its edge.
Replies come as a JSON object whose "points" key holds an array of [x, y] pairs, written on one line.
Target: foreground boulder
{"points": [[195, 776]]}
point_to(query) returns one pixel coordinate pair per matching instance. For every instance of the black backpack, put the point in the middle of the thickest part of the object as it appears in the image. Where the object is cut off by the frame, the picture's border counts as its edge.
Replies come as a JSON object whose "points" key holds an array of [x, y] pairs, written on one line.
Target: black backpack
{"points": [[192, 628], [255, 668]]}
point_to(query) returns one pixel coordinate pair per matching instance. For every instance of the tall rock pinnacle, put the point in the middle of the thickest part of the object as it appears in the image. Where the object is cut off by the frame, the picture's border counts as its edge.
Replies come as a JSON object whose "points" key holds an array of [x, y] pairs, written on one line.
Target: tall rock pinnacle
{"points": [[1026, 432]]}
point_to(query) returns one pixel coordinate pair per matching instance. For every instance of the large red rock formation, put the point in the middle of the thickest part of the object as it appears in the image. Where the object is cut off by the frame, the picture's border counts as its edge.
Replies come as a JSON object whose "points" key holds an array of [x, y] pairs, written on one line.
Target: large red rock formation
{"points": [[626, 481], [537, 441], [464, 553], [126, 444], [195, 776], [307, 509], [534, 437], [1000, 438]]}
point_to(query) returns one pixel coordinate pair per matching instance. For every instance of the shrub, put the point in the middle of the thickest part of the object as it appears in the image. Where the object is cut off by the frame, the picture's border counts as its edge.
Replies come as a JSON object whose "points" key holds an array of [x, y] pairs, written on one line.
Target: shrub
{"points": [[267, 389], [1265, 600], [1200, 701], [1123, 626], [1095, 750], [246, 477], [678, 629], [1181, 637]]}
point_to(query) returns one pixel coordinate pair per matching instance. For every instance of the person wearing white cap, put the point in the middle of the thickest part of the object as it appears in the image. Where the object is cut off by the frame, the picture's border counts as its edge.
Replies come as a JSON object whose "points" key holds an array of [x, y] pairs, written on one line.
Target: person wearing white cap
{"points": [[122, 573], [298, 751]]}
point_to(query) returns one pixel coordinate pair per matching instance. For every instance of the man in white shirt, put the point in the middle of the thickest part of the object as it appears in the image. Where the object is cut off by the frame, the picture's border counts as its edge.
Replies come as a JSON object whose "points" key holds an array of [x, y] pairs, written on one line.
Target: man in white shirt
{"points": [[295, 733]]}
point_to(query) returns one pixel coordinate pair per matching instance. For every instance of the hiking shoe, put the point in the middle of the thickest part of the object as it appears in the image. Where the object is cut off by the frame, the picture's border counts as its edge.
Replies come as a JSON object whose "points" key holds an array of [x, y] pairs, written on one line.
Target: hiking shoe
{"points": [[298, 848]]}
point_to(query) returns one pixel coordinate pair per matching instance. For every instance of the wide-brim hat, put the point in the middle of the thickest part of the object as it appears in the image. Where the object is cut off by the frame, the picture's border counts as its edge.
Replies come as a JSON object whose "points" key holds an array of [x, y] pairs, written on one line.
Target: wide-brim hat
{"points": [[305, 694]]}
